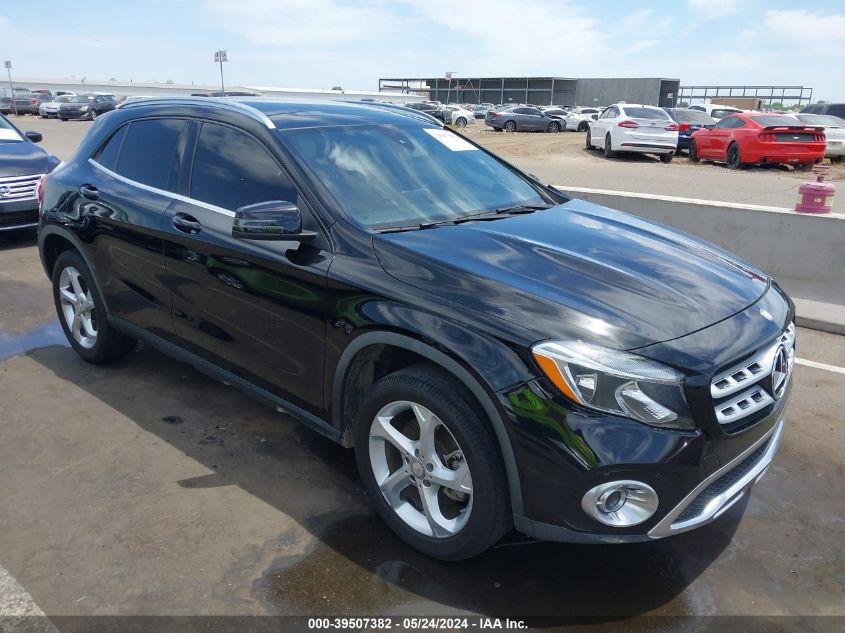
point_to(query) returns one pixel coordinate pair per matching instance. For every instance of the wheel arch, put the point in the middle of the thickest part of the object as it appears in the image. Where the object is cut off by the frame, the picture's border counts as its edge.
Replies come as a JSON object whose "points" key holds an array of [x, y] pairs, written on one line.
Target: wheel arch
{"points": [[358, 359], [53, 241]]}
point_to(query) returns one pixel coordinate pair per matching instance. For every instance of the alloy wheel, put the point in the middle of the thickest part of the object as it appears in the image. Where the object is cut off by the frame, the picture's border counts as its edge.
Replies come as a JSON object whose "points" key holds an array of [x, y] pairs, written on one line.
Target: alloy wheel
{"points": [[77, 305], [420, 469]]}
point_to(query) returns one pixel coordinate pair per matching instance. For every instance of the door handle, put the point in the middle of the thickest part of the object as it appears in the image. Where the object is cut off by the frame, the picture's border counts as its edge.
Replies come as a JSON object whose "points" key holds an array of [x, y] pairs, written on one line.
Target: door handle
{"points": [[89, 192], [186, 223]]}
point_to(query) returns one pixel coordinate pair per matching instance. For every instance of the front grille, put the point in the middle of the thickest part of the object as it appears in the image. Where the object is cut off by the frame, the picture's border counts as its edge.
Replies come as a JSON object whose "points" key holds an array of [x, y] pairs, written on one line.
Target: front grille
{"points": [[18, 187], [699, 504], [741, 394]]}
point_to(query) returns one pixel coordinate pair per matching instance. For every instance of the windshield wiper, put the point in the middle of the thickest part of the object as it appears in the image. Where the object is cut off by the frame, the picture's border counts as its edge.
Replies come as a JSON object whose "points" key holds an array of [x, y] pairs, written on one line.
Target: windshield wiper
{"points": [[496, 214]]}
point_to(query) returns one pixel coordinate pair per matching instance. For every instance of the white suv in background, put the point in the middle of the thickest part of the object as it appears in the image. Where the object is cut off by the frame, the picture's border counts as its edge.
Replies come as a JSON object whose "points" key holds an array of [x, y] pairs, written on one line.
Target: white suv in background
{"points": [[715, 110], [629, 127]]}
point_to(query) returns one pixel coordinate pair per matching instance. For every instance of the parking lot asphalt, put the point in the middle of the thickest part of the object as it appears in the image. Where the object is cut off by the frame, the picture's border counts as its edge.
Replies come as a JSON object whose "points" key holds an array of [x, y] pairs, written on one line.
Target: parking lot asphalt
{"points": [[144, 487]]}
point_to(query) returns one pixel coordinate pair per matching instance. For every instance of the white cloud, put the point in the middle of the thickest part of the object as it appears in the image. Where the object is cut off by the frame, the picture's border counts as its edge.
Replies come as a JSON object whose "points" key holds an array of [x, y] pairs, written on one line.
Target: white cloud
{"points": [[716, 8], [809, 33]]}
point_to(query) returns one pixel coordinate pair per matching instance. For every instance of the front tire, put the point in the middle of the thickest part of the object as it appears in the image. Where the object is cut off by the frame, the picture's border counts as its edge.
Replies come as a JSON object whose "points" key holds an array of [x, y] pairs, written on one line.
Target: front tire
{"points": [[554, 127], [93, 114], [430, 464], [734, 160], [693, 152], [461, 122], [82, 312]]}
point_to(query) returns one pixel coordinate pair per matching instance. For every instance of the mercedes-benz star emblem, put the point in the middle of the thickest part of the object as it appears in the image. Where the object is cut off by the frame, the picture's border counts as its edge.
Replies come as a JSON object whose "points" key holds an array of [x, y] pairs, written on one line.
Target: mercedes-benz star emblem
{"points": [[780, 373], [5, 191]]}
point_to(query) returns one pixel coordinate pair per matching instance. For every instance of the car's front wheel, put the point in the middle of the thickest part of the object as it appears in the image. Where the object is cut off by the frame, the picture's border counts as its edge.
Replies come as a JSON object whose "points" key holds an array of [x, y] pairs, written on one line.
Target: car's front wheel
{"points": [[82, 312], [693, 152], [461, 122], [554, 127], [430, 464]]}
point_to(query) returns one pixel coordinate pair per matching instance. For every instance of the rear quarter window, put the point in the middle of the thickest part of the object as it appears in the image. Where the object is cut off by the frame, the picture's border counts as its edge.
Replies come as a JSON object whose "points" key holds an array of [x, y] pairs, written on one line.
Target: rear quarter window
{"points": [[107, 154], [148, 152]]}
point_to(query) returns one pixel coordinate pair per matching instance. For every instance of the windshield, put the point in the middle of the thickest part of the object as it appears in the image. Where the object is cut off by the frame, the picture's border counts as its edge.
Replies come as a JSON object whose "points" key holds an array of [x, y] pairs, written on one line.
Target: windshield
{"points": [[8, 132], [81, 99], [396, 175], [822, 119]]}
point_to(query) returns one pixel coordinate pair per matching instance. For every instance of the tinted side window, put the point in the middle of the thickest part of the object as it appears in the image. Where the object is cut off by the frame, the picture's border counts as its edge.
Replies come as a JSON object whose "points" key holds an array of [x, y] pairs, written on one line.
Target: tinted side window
{"points": [[231, 170], [107, 156], [836, 109], [148, 154]]}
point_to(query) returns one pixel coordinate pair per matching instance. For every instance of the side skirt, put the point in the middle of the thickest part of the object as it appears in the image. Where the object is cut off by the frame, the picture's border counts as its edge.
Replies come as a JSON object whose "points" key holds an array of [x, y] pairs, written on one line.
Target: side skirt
{"points": [[213, 371]]}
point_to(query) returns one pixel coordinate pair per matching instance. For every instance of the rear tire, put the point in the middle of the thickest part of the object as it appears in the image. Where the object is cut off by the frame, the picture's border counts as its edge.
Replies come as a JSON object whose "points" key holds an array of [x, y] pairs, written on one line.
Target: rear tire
{"points": [[583, 126], [510, 126], [666, 158], [438, 427], [82, 312], [589, 141], [608, 152]]}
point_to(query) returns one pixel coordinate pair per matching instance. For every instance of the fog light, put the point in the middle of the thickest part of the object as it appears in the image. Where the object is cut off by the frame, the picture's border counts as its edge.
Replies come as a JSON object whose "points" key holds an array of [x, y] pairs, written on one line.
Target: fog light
{"points": [[620, 503]]}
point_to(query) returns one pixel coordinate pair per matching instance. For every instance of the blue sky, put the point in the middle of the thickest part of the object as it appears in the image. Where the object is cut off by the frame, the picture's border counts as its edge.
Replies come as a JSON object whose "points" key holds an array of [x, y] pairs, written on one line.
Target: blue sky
{"points": [[321, 43]]}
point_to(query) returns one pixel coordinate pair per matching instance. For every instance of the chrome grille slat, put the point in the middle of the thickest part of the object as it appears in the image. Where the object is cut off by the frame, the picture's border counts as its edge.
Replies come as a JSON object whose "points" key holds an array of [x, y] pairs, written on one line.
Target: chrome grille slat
{"points": [[743, 381], [19, 187]]}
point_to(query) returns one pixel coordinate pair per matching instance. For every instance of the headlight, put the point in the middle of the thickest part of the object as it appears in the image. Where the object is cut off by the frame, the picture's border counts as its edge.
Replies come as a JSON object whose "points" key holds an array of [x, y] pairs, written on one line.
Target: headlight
{"points": [[616, 382]]}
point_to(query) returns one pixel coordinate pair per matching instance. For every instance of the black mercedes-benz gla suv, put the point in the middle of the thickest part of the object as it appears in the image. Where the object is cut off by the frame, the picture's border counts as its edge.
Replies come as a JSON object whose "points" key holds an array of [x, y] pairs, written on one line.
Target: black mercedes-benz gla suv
{"points": [[498, 354]]}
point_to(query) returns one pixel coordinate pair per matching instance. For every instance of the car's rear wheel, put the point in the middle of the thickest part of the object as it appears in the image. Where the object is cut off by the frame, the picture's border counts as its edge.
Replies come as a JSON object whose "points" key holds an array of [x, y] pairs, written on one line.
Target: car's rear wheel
{"points": [[608, 148], [82, 312], [836, 159], [734, 160], [583, 126], [554, 127], [461, 122], [510, 126], [693, 152], [430, 464], [666, 158], [589, 141], [63, 118]]}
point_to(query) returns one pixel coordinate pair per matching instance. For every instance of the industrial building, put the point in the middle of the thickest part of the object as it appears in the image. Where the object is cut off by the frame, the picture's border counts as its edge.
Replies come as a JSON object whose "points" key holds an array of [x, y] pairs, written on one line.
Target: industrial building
{"points": [[538, 90]]}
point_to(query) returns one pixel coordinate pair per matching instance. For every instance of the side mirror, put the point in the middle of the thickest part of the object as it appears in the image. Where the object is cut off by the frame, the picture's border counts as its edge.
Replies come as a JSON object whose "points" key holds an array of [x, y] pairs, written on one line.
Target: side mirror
{"points": [[34, 136], [274, 220]]}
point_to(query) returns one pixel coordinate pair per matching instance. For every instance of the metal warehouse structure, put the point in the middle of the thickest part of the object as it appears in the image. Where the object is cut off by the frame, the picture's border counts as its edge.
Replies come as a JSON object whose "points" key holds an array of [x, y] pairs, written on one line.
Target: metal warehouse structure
{"points": [[787, 95], [538, 90]]}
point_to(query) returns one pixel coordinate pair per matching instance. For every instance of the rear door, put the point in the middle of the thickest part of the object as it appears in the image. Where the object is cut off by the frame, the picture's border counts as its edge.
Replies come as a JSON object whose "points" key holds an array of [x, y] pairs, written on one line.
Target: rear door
{"points": [[254, 308], [124, 193]]}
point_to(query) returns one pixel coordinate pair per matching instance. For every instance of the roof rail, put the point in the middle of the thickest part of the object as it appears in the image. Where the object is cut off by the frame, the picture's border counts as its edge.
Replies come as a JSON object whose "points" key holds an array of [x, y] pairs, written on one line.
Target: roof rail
{"points": [[401, 110], [217, 102]]}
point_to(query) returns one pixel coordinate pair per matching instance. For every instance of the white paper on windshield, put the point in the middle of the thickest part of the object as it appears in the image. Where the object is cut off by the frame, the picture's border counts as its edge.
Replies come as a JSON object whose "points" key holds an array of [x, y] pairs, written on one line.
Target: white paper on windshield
{"points": [[9, 135], [450, 140]]}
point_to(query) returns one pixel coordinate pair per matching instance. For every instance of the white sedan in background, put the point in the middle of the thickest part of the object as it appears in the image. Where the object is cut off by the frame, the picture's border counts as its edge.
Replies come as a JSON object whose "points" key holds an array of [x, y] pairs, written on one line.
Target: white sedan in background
{"points": [[629, 127], [51, 108], [458, 116], [834, 131], [579, 119]]}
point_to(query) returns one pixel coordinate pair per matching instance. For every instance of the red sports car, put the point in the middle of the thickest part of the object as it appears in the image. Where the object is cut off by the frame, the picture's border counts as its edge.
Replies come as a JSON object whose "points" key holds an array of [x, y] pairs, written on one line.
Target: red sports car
{"points": [[757, 138]]}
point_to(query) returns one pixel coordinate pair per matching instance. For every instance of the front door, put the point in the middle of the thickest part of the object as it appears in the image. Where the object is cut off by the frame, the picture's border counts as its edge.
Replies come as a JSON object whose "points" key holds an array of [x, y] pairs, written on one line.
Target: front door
{"points": [[255, 308]]}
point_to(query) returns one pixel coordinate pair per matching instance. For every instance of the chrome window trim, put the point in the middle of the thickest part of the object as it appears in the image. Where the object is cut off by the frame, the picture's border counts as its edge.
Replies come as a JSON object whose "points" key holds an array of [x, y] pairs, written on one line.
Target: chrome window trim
{"points": [[162, 192], [236, 106], [729, 496]]}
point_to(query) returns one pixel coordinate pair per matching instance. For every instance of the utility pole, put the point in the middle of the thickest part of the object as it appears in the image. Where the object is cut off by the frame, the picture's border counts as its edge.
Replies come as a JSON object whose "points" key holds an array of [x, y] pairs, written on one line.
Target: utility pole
{"points": [[220, 57], [8, 66], [449, 86]]}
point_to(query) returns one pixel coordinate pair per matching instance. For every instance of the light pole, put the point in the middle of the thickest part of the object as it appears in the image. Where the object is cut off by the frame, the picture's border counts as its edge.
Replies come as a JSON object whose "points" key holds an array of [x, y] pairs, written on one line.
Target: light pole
{"points": [[449, 86], [220, 57], [8, 66]]}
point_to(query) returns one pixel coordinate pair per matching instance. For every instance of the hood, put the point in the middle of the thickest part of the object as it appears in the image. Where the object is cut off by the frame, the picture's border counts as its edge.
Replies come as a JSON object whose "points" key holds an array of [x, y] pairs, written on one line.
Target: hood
{"points": [[73, 105], [23, 158], [577, 271]]}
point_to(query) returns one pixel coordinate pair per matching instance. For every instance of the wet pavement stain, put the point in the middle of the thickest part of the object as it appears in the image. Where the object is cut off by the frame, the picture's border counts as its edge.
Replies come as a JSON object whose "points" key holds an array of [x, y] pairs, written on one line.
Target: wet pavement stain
{"points": [[42, 336], [358, 567]]}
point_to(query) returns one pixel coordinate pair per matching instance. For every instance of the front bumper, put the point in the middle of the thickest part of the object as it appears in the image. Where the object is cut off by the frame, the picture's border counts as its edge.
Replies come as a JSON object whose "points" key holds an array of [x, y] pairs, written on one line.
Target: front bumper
{"points": [[74, 114], [18, 214]]}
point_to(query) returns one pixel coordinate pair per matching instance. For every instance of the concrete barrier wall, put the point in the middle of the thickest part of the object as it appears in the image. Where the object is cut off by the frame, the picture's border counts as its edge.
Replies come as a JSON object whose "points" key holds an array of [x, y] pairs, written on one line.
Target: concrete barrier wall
{"points": [[805, 253]]}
